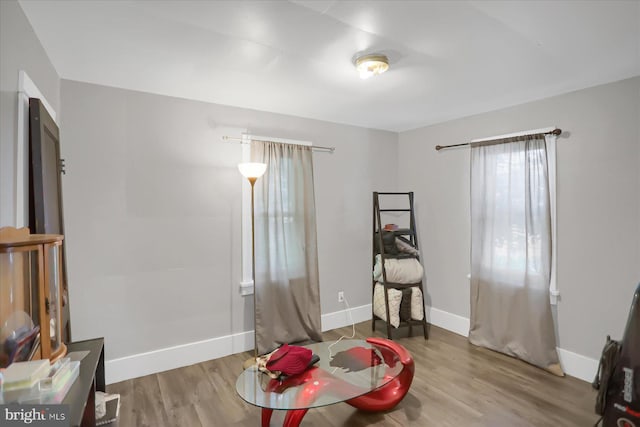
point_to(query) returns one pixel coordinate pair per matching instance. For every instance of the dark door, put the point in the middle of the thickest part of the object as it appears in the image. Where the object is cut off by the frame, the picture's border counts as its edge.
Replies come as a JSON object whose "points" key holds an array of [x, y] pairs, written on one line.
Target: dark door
{"points": [[45, 187]]}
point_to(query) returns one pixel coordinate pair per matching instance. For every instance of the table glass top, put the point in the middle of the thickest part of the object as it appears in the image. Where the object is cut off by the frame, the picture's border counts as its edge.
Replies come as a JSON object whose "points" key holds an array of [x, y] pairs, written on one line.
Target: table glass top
{"points": [[346, 370]]}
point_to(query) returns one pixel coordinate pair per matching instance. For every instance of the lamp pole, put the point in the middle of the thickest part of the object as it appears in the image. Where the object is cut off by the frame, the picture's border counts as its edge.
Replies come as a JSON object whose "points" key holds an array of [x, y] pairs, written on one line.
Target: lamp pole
{"points": [[252, 181], [252, 171]]}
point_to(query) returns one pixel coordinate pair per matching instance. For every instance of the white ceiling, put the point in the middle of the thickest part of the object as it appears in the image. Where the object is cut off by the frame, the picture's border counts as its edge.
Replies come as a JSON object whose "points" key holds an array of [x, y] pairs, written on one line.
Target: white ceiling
{"points": [[448, 58]]}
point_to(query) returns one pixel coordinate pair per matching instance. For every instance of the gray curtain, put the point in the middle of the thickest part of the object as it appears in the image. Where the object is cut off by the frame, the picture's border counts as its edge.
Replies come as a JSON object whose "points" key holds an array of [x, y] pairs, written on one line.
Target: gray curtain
{"points": [[511, 252], [287, 286]]}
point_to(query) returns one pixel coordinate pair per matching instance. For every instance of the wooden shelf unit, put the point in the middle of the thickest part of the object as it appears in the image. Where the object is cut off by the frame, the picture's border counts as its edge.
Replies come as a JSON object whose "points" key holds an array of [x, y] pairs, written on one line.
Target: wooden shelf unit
{"points": [[378, 248]]}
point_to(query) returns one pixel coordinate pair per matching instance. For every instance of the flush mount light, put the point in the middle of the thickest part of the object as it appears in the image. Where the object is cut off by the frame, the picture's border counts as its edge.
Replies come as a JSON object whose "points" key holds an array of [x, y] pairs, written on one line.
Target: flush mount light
{"points": [[370, 65]]}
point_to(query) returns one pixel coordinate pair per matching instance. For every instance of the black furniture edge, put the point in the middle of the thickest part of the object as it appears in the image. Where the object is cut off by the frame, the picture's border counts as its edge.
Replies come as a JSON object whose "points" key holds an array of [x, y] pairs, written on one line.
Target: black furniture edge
{"points": [[81, 395]]}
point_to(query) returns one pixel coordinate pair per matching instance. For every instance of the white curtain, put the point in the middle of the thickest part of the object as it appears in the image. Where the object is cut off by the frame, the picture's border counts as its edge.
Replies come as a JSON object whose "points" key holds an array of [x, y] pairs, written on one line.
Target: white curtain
{"points": [[286, 285], [511, 251]]}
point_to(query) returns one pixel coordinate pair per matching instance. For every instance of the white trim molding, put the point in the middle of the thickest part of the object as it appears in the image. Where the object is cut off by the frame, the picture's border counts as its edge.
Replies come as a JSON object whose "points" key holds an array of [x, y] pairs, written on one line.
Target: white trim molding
{"points": [[449, 321], [151, 362], [163, 359], [26, 89], [246, 287], [550, 141], [339, 319], [573, 364], [246, 284], [577, 365]]}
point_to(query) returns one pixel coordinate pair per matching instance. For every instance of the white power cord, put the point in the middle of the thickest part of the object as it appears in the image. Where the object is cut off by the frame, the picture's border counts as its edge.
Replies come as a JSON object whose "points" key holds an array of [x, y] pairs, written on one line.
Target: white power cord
{"points": [[353, 332]]}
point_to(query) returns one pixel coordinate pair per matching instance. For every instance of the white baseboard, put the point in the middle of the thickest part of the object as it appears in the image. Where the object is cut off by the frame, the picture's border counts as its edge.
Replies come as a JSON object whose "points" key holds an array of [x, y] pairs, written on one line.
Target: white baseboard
{"points": [[577, 365], [573, 364], [449, 321], [164, 359], [151, 362], [138, 365], [338, 319]]}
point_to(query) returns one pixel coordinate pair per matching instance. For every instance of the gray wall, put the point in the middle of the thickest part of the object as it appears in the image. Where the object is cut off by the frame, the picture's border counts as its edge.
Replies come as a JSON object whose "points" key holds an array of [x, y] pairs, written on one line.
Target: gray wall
{"points": [[152, 203], [598, 184], [20, 49], [152, 210]]}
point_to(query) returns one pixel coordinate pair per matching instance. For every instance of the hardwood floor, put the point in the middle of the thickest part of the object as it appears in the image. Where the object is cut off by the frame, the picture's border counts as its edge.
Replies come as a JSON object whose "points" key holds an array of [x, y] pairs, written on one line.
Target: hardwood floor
{"points": [[455, 384]]}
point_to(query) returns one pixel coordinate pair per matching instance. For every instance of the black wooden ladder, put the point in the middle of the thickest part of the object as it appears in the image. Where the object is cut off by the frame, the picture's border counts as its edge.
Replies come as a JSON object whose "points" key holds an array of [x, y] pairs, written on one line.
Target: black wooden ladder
{"points": [[410, 236]]}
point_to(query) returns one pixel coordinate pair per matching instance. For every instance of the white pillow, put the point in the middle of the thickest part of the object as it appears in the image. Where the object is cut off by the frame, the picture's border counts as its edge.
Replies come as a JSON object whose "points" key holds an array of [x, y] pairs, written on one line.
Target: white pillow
{"points": [[379, 309], [417, 309], [405, 271]]}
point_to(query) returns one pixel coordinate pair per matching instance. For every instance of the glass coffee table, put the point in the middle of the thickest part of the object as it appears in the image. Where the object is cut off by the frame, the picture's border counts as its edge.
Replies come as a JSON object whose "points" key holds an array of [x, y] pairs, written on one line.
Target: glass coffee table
{"points": [[350, 371]]}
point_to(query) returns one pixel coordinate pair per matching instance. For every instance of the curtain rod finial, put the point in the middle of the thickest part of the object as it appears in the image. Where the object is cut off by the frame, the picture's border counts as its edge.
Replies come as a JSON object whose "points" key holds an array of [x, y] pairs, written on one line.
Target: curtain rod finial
{"points": [[438, 147]]}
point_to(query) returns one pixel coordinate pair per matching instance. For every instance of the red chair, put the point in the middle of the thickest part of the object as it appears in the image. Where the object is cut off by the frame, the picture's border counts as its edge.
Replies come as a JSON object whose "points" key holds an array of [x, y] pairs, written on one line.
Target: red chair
{"points": [[390, 394]]}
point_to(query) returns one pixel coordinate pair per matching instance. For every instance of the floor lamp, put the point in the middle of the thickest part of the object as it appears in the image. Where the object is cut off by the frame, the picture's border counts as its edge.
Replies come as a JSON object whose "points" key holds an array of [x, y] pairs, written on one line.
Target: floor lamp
{"points": [[253, 171]]}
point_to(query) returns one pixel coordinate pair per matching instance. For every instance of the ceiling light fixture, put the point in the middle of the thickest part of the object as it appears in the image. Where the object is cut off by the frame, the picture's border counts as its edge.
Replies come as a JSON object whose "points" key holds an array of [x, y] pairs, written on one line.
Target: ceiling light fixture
{"points": [[370, 65]]}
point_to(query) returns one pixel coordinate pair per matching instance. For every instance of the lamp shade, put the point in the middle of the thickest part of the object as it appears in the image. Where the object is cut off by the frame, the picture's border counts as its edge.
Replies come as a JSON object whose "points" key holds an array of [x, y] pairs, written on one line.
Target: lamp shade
{"points": [[252, 170]]}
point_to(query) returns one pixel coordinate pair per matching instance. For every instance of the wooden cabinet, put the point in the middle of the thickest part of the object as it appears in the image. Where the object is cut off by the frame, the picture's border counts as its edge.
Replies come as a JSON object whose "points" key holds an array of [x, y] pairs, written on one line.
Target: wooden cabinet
{"points": [[30, 294]]}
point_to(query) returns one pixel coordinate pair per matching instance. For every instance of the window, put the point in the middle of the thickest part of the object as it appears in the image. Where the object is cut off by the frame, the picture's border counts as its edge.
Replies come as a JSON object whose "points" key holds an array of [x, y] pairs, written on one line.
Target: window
{"points": [[513, 212], [511, 255], [296, 262]]}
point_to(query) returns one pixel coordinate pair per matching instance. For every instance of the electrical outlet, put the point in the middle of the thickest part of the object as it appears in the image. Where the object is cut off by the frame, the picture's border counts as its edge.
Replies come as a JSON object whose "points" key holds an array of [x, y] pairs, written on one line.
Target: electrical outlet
{"points": [[340, 296]]}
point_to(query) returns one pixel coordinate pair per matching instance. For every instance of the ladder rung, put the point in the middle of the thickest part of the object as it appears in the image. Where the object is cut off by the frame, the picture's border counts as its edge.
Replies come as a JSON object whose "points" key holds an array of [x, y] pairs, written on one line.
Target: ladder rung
{"points": [[395, 210], [395, 194], [411, 322], [400, 231], [401, 285], [407, 231], [401, 255]]}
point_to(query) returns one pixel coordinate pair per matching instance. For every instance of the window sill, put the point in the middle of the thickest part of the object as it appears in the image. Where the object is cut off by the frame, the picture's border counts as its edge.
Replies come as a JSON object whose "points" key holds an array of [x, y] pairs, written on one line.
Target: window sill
{"points": [[246, 288]]}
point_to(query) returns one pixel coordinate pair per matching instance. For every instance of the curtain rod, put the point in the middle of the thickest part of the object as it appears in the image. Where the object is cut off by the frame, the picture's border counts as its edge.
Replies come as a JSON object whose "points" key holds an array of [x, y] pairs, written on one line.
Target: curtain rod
{"points": [[502, 139], [247, 141]]}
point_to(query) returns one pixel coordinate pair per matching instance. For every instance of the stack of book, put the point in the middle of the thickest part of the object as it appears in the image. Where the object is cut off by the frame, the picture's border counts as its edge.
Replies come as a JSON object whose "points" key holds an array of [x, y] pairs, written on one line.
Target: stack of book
{"points": [[24, 375], [21, 345], [38, 381]]}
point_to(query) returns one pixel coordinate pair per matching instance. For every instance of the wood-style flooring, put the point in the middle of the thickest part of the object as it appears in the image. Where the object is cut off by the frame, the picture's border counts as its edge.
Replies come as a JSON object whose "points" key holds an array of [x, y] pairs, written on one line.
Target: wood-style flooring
{"points": [[455, 384]]}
